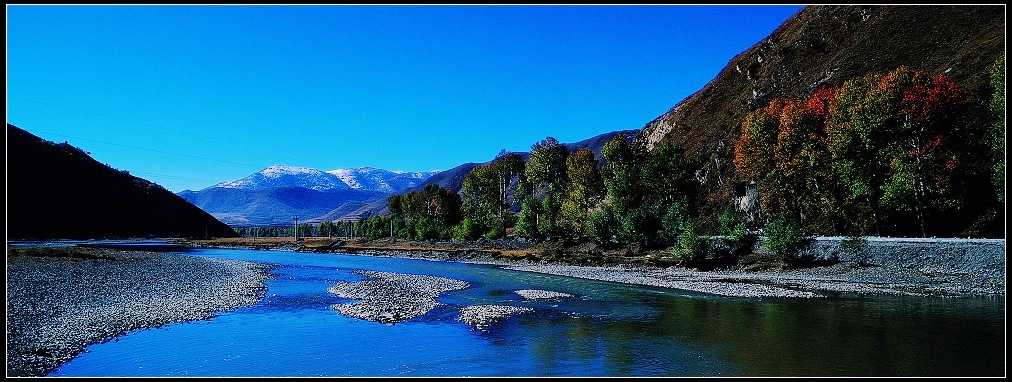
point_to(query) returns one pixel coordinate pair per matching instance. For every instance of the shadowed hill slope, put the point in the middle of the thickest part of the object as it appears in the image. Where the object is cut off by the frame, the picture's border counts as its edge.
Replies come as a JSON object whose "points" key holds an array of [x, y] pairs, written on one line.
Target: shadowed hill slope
{"points": [[57, 191], [824, 44]]}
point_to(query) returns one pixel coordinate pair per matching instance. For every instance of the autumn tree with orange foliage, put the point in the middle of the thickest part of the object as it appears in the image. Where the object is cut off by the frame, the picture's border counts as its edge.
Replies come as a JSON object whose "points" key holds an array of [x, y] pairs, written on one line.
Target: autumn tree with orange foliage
{"points": [[878, 152]]}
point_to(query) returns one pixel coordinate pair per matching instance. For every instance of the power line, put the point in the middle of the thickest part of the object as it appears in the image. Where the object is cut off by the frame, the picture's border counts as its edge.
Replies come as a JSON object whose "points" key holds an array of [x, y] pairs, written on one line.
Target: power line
{"points": [[142, 148], [230, 141], [174, 177]]}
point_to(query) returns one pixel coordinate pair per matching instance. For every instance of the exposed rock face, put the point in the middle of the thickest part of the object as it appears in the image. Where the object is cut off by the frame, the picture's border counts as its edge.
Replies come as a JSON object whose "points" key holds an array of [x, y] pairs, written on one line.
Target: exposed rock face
{"points": [[824, 44]]}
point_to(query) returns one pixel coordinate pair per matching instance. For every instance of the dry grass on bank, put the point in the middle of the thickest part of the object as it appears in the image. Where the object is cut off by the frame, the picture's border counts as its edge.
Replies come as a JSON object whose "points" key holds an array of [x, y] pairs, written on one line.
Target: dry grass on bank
{"points": [[309, 242]]}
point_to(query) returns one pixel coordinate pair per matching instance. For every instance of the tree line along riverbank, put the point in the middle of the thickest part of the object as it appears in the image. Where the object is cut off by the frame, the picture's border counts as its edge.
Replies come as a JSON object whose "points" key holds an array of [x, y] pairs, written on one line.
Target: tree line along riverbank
{"points": [[981, 259]]}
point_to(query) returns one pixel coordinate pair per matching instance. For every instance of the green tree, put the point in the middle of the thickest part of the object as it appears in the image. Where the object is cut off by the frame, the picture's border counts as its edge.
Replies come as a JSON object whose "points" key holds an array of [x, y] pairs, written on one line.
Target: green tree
{"points": [[548, 221], [506, 167], [527, 224], [545, 175], [692, 245], [546, 166], [480, 201], [923, 162], [327, 229], [732, 225], [671, 188], [620, 172], [429, 214], [584, 190], [858, 134], [601, 225]]}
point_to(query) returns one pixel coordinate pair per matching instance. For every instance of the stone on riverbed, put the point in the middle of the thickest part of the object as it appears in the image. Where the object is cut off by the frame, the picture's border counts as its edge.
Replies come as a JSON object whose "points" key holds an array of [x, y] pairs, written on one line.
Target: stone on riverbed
{"points": [[480, 316], [389, 297], [538, 294]]}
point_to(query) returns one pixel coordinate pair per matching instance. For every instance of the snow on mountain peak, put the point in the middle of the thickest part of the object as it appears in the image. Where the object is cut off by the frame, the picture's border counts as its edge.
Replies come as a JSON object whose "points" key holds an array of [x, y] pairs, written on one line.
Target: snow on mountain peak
{"points": [[376, 179], [277, 176], [362, 178]]}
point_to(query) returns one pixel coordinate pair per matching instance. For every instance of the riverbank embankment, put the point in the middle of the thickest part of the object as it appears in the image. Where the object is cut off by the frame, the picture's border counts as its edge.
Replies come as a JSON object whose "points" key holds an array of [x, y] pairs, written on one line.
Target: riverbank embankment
{"points": [[822, 266]]}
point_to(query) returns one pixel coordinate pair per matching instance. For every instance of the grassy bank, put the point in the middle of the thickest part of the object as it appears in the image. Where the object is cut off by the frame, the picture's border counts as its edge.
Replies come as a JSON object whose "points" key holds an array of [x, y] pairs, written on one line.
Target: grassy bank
{"points": [[580, 253]]}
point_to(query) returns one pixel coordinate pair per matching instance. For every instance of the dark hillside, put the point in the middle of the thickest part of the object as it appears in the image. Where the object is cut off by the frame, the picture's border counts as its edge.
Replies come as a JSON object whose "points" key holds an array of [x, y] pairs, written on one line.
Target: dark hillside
{"points": [[57, 191], [825, 44]]}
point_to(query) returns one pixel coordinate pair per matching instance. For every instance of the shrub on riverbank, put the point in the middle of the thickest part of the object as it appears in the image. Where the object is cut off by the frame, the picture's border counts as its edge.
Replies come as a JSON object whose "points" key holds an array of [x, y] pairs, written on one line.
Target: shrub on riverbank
{"points": [[781, 237]]}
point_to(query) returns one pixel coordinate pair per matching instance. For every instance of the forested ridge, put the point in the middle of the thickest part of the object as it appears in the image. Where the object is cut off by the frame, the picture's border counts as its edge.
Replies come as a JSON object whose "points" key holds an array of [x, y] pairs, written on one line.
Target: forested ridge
{"points": [[901, 138]]}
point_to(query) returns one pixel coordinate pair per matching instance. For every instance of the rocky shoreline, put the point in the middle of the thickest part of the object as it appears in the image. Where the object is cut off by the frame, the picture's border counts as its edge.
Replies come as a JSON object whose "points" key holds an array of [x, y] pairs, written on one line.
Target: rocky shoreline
{"points": [[60, 300], [50, 318], [896, 266]]}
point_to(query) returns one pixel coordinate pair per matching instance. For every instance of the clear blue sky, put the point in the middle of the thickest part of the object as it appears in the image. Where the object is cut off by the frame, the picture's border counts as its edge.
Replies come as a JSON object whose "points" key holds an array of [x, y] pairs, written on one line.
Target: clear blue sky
{"points": [[189, 96]]}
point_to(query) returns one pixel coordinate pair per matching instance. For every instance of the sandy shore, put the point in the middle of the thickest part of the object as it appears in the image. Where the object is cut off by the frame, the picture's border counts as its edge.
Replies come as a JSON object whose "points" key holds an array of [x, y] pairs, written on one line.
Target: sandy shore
{"points": [[59, 301]]}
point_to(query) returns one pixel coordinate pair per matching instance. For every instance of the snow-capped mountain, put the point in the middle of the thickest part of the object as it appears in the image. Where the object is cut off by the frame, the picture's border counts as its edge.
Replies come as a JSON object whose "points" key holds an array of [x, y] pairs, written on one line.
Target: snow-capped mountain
{"points": [[278, 176], [376, 179], [362, 178], [277, 193]]}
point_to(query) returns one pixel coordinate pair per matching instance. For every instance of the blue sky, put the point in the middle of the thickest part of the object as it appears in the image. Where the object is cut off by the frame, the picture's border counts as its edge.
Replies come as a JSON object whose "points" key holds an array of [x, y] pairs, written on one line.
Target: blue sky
{"points": [[190, 96]]}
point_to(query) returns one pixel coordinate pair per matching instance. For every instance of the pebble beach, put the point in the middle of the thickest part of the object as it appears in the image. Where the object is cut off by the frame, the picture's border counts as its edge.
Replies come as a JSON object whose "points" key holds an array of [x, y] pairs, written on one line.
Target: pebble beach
{"points": [[58, 305]]}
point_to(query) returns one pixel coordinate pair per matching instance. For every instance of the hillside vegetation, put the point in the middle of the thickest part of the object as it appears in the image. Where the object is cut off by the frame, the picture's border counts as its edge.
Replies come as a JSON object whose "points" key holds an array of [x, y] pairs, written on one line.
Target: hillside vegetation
{"points": [[846, 121], [826, 45], [57, 191]]}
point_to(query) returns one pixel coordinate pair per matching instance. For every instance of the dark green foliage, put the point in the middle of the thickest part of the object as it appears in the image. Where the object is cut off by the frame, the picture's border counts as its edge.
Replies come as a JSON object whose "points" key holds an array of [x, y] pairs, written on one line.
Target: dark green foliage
{"points": [[486, 200], [548, 219], [781, 237], [692, 245], [601, 226], [673, 223], [467, 229], [583, 191], [638, 228], [427, 215], [650, 193], [327, 229], [732, 225], [527, 222]]}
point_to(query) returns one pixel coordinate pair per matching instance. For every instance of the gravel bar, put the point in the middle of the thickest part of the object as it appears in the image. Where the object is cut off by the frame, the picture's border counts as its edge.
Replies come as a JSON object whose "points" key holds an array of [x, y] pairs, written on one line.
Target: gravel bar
{"points": [[538, 294], [388, 297], [481, 316], [59, 304]]}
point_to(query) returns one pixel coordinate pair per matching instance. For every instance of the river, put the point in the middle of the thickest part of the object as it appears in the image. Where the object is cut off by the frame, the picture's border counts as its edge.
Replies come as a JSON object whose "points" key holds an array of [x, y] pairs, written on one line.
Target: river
{"points": [[605, 329]]}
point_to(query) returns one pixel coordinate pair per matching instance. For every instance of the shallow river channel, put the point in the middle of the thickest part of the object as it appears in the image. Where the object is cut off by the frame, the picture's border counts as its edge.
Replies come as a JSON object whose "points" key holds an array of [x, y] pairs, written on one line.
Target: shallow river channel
{"points": [[604, 329]]}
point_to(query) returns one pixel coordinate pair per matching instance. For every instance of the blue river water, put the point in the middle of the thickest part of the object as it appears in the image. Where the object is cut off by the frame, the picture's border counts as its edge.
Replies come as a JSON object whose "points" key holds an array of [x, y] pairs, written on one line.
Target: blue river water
{"points": [[607, 329]]}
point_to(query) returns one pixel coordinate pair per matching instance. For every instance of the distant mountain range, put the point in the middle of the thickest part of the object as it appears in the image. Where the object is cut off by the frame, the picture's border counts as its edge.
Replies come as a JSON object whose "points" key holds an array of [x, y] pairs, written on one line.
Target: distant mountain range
{"points": [[363, 179], [278, 194]]}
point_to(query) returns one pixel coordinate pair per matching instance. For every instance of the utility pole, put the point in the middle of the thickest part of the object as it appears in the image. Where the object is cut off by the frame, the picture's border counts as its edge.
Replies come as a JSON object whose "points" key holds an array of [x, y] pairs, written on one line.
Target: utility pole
{"points": [[296, 228]]}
